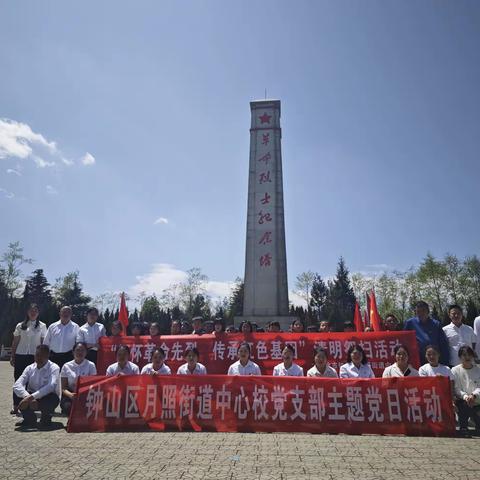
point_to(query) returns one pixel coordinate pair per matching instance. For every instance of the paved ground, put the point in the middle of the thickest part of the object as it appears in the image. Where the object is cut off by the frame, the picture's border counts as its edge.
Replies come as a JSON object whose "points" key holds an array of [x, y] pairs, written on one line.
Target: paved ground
{"points": [[59, 455]]}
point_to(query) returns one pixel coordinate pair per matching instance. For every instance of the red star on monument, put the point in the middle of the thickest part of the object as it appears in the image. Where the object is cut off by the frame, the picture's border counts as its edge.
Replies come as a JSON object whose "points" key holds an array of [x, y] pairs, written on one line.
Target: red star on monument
{"points": [[265, 118]]}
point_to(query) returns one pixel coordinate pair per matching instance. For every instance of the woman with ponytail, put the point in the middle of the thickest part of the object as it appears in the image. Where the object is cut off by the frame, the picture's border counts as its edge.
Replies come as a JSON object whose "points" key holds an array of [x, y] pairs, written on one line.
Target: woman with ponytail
{"points": [[26, 338]]}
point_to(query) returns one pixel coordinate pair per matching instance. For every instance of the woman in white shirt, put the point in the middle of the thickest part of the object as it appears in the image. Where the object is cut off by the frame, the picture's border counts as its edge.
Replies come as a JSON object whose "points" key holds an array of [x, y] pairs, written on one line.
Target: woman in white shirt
{"points": [[288, 368], [157, 367], [123, 366], [78, 367], [244, 366], [321, 368], [26, 338], [466, 378], [357, 365], [401, 367], [433, 368], [192, 366]]}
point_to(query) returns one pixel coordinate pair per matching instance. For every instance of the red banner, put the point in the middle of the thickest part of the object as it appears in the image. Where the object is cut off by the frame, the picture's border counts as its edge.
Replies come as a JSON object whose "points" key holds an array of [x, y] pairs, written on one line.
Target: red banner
{"points": [[407, 405], [218, 352]]}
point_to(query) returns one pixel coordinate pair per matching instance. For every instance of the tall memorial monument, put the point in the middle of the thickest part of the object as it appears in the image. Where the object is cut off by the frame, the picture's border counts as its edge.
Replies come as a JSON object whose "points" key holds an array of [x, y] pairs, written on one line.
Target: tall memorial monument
{"points": [[266, 286]]}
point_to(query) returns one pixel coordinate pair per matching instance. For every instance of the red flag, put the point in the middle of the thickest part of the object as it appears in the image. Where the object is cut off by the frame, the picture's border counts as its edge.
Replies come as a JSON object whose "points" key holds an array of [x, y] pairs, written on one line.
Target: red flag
{"points": [[357, 318], [368, 320], [365, 319], [375, 319], [123, 313]]}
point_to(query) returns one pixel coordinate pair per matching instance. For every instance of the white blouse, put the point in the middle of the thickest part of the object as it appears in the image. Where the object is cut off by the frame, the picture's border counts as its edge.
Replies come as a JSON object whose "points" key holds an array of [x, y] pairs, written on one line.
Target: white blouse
{"points": [[199, 370], [90, 334], [163, 370], [30, 338], [329, 372], [130, 369], [72, 370], [428, 371], [250, 368], [394, 371], [294, 370], [349, 370]]}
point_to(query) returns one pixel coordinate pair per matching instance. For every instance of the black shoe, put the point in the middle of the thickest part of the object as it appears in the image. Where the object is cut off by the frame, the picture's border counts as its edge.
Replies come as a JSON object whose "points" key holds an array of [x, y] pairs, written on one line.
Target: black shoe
{"points": [[45, 421], [27, 424], [14, 411], [463, 432]]}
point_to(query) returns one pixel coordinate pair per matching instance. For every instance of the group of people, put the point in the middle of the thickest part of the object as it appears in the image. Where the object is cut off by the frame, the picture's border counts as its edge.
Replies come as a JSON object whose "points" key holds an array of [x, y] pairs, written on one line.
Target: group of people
{"points": [[48, 362]]}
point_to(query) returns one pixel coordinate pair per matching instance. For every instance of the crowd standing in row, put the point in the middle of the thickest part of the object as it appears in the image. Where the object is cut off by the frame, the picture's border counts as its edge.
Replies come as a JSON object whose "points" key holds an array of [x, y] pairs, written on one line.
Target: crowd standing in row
{"points": [[65, 351]]}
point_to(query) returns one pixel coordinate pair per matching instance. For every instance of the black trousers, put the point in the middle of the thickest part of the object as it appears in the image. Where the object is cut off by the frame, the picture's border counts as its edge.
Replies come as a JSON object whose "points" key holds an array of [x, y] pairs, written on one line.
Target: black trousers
{"points": [[61, 358], [465, 412], [21, 362], [46, 406], [66, 404], [92, 356]]}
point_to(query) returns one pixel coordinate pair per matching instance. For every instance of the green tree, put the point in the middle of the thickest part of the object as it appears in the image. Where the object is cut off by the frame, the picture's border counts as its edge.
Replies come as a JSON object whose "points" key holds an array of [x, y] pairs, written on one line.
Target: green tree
{"points": [[235, 302], [453, 278], [37, 290], [11, 268], [432, 275], [471, 277], [340, 301], [150, 311], [318, 296], [68, 290], [303, 285]]}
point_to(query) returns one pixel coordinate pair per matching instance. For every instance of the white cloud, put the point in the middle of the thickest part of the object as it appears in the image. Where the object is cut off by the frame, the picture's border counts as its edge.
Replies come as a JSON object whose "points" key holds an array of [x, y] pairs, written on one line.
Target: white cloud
{"points": [[164, 275], [161, 221], [88, 159], [297, 300], [17, 140], [41, 163], [6, 193], [51, 190], [14, 172]]}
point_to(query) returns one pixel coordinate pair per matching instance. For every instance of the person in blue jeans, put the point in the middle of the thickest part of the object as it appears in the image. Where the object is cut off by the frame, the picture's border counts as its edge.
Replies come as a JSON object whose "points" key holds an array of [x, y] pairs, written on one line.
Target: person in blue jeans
{"points": [[428, 332]]}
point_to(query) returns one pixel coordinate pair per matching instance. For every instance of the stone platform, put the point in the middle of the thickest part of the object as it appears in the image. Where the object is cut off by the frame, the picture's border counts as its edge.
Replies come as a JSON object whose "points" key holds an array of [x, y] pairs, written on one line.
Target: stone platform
{"points": [[224, 456]]}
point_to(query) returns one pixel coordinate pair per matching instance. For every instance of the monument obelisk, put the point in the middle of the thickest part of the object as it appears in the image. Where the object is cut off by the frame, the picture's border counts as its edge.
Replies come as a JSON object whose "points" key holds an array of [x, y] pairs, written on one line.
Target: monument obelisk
{"points": [[266, 286]]}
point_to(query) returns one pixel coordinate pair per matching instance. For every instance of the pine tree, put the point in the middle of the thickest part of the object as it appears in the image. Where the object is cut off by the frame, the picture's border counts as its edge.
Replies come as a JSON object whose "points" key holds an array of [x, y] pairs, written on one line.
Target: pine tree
{"points": [[318, 296], [69, 291], [340, 301], [37, 290], [235, 304]]}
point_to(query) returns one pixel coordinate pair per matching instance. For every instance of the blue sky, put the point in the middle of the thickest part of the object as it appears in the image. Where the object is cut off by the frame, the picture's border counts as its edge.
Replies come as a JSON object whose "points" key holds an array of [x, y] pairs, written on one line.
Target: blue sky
{"points": [[116, 114]]}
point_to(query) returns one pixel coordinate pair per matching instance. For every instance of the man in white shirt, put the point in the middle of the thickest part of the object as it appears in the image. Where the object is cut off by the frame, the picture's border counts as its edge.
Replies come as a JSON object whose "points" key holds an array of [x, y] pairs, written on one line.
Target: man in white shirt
{"points": [[61, 337], [38, 389], [89, 334], [458, 334]]}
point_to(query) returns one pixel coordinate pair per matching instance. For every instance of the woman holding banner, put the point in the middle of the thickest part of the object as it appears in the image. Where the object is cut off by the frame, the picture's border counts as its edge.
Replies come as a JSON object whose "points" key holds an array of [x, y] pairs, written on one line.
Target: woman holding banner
{"points": [[357, 365], [321, 368], [288, 368], [244, 366], [192, 367], [401, 367], [123, 366], [157, 367]]}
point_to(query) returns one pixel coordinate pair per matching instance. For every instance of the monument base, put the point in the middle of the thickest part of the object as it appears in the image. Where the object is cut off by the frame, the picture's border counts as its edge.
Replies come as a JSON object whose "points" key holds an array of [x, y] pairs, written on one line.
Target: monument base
{"points": [[264, 320]]}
